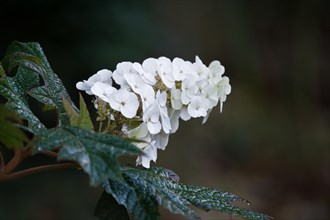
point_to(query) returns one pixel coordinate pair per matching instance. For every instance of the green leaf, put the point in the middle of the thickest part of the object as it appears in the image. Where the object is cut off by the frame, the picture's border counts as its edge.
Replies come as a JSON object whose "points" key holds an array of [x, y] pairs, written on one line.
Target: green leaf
{"points": [[107, 208], [81, 119], [139, 205], [162, 185], [95, 152], [14, 89], [30, 55], [16, 59], [10, 135]]}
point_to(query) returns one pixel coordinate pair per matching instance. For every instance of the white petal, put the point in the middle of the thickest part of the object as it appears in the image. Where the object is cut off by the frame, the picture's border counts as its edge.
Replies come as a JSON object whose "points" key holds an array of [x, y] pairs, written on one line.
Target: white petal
{"points": [[174, 116], [184, 115], [150, 65], [161, 98], [130, 106], [154, 128], [102, 90], [82, 86], [148, 77], [161, 140]]}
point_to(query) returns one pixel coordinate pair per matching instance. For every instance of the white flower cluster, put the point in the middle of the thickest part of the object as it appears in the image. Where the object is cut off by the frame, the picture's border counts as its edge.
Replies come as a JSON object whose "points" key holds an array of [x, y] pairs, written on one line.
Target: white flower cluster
{"points": [[157, 93]]}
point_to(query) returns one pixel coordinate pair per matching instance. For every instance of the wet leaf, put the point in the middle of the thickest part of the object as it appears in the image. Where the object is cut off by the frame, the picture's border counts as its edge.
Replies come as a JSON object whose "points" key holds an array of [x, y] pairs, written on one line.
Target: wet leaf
{"points": [[161, 185], [31, 56], [15, 89], [95, 152]]}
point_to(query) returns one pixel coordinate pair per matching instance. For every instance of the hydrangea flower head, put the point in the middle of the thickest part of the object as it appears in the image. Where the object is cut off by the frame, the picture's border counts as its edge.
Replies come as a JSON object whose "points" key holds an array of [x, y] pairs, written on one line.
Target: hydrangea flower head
{"points": [[148, 100]]}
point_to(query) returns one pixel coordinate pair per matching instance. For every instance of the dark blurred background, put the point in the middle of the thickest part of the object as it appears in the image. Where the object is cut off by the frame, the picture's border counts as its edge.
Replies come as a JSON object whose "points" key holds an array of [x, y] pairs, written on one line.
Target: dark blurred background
{"points": [[270, 145]]}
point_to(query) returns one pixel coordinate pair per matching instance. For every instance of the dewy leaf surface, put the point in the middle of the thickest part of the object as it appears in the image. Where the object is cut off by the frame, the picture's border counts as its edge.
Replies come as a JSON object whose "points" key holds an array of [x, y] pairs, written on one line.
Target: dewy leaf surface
{"points": [[15, 89], [30, 55], [138, 206], [95, 152], [162, 185]]}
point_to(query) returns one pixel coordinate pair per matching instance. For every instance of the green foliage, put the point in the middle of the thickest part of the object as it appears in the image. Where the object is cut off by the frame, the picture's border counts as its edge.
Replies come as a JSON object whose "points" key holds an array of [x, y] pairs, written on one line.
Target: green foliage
{"points": [[31, 56], [10, 135], [81, 119], [95, 152], [15, 89], [144, 188]]}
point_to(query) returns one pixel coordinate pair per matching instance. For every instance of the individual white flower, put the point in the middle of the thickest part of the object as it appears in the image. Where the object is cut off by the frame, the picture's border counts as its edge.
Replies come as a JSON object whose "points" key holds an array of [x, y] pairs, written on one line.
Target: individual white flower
{"points": [[189, 90], [121, 69], [161, 98], [124, 101], [224, 89], [160, 140], [210, 94], [134, 81], [102, 90], [161, 67], [103, 76], [201, 70], [196, 108], [151, 117], [148, 77], [150, 65], [147, 95], [216, 72], [165, 69], [156, 115], [181, 69]]}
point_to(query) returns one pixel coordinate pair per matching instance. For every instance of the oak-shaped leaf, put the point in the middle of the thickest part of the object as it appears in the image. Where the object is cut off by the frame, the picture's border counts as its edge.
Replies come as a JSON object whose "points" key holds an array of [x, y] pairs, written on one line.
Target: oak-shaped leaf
{"points": [[31, 56], [144, 187], [95, 152]]}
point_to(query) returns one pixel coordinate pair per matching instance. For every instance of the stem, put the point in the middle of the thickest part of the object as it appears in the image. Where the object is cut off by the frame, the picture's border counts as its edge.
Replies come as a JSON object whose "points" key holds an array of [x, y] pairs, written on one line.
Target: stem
{"points": [[100, 126], [15, 175], [109, 121], [50, 153], [17, 158]]}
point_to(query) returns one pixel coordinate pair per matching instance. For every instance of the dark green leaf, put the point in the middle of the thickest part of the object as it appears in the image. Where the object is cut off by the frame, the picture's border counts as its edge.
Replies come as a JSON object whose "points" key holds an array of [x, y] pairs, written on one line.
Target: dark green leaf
{"points": [[95, 152], [139, 205], [14, 89], [107, 208], [162, 185], [16, 59], [30, 55], [81, 119]]}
